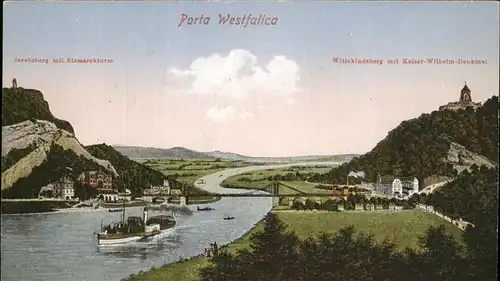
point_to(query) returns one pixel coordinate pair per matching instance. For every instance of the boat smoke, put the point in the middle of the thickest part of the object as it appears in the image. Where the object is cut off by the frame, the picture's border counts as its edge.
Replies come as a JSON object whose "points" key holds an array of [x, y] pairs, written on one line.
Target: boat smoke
{"points": [[184, 210]]}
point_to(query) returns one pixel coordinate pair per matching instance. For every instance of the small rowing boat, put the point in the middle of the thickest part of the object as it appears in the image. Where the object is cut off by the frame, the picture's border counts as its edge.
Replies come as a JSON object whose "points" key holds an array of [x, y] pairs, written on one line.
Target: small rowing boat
{"points": [[115, 210], [205, 209]]}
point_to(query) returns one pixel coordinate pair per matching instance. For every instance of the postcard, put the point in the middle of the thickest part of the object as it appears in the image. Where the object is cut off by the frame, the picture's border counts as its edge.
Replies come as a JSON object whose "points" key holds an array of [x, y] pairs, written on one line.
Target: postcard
{"points": [[224, 141]]}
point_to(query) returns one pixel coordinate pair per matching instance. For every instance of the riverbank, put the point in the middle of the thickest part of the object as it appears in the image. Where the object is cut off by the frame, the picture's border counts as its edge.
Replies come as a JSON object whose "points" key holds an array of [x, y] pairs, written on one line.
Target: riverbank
{"points": [[46, 206], [32, 206], [403, 228], [188, 269], [199, 200]]}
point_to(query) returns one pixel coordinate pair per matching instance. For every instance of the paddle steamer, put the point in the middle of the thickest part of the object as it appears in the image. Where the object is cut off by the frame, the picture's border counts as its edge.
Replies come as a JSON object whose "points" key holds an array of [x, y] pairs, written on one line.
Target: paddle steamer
{"points": [[134, 228]]}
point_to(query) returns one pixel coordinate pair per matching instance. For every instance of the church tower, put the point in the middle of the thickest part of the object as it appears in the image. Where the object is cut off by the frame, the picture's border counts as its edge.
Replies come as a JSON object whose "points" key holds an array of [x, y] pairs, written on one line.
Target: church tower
{"points": [[465, 94]]}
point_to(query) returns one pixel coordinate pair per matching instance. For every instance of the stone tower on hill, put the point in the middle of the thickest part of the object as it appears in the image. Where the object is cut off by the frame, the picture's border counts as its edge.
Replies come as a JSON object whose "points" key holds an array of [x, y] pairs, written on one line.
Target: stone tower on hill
{"points": [[464, 102], [465, 94]]}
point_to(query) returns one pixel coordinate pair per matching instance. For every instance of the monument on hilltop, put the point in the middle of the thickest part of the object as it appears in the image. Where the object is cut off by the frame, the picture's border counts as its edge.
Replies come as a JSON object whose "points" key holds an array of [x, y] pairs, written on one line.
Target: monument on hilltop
{"points": [[14, 83], [464, 102]]}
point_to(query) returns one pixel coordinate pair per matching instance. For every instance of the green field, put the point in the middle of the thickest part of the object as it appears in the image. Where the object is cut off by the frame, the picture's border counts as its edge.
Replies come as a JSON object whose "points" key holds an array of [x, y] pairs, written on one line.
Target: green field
{"points": [[403, 228], [187, 171], [260, 179]]}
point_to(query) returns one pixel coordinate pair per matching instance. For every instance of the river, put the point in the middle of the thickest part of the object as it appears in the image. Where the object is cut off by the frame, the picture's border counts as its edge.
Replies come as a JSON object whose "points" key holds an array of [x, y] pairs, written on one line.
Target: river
{"points": [[61, 246]]}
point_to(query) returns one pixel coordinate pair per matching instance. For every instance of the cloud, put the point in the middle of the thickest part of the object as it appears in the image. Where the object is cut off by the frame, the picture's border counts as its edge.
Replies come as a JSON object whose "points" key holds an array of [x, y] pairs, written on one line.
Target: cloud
{"points": [[219, 115], [237, 75], [245, 115]]}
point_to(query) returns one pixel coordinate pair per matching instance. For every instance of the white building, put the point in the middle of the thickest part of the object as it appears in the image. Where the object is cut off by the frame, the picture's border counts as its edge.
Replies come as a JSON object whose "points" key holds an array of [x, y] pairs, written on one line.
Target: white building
{"points": [[409, 186], [63, 188], [110, 197], [158, 190], [397, 186]]}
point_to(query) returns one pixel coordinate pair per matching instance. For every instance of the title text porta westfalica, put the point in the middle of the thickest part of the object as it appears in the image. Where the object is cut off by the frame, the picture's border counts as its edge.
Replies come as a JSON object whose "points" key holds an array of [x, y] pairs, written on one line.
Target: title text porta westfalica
{"points": [[228, 19]]}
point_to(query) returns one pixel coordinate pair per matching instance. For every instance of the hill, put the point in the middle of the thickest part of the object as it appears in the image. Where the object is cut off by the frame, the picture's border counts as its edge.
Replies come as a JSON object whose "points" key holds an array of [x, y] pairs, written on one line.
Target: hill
{"points": [[133, 175], [37, 153], [38, 149], [226, 155], [339, 157], [137, 152], [19, 104], [436, 144]]}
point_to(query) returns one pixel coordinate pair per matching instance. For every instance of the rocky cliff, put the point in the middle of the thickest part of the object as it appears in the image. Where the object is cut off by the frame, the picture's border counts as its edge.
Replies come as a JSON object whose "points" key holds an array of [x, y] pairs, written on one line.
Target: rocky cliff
{"points": [[19, 104], [40, 137], [38, 148], [463, 159]]}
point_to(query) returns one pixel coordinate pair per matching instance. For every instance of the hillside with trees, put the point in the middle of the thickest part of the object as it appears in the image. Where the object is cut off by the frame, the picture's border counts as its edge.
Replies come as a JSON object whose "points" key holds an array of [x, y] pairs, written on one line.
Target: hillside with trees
{"points": [[468, 196], [59, 163], [42, 153], [420, 147], [19, 104], [132, 175]]}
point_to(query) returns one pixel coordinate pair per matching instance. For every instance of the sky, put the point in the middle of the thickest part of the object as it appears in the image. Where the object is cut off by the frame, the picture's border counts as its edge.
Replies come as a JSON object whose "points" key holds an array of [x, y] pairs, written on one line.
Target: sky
{"points": [[259, 90]]}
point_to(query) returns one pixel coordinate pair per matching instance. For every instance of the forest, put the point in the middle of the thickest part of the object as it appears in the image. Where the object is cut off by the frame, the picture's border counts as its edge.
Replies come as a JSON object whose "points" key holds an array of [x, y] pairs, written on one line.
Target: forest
{"points": [[132, 175], [467, 196]]}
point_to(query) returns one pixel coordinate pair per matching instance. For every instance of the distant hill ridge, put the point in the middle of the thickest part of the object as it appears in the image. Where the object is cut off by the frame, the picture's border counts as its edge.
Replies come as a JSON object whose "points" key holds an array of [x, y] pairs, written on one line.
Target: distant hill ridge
{"points": [[137, 152]]}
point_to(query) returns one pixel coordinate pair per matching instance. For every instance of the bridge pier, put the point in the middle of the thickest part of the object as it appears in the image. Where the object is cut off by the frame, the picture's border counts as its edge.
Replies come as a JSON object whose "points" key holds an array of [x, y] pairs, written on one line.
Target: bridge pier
{"points": [[275, 190]]}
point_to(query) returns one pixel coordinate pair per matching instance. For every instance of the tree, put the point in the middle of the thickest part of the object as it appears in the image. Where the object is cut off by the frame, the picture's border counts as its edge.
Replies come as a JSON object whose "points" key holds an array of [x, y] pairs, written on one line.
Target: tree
{"points": [[310, 204], [442, 257], [329, 205], [482, 245], [272, 256], [224, 267], [298, 205], [346, 256], [80, 191]]}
